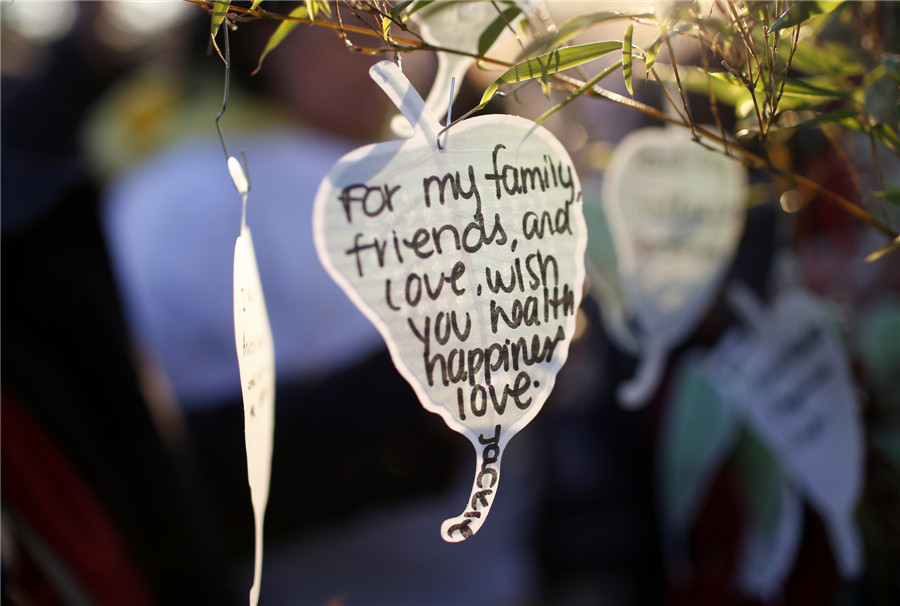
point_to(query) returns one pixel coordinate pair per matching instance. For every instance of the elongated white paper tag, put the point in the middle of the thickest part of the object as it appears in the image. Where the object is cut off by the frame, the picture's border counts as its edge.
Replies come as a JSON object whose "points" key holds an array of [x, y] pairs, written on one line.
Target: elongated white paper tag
{"points": [[256, 361], [675, 210], [470, 262]]}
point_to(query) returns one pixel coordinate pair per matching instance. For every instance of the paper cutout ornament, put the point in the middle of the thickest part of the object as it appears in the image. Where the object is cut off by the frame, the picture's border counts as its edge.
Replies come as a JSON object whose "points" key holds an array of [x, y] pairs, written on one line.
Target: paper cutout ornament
{"points": [[469, 259], [797, 394], [456, 25], [256, 363], [675, 210]]}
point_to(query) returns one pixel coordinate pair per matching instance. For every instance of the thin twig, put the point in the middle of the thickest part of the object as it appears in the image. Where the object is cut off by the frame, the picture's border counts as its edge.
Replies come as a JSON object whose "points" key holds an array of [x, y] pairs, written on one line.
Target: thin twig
{"points": [[713, 104], [742, 154], [684, 102], [748, 156]]}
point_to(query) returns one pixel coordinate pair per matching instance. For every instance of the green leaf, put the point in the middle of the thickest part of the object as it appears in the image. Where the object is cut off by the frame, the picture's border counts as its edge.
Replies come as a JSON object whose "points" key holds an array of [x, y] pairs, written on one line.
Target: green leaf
{"points": [[574, 26], [758, 9], [895, 245], [826, 58], [837, 115], [650, 54], [385, 26], [800, 12], [626, 58], [395, 12], [887, 135], [725, 87], [315, 6], [255, 4], [798, 87], [283, 29], [550, 63], [493, 31], [218, 15], [580, 91], [892, 195]]}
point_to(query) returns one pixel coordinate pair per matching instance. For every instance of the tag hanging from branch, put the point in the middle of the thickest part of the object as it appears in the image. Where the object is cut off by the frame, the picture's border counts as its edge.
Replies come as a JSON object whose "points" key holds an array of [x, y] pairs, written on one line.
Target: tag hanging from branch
{"points": [[796, 391], [469, 261], [256, 363], [676, 213]]}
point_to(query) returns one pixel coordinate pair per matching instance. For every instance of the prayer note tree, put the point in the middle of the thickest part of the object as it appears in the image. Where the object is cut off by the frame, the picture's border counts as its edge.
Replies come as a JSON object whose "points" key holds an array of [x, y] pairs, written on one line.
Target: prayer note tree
{"points": [[465, 244]]}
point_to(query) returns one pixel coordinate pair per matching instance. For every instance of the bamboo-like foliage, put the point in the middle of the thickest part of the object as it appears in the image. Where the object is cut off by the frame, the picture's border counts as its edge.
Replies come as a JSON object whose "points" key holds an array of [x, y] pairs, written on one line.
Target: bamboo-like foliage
{"points": [[783, 69]]}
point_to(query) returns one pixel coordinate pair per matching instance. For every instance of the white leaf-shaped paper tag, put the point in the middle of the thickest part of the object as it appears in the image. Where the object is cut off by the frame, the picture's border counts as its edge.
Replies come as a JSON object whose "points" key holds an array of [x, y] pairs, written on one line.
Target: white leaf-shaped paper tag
{"points": [[470, 262], [799, 398], [675, 210], [256, 360]]}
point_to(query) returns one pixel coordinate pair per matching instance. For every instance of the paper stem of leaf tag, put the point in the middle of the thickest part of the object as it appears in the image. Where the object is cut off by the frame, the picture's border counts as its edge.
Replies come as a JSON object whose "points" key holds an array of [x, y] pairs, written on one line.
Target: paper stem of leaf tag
{"points": [[484, 490], [746, 305], [388, 76], [639, 389]]}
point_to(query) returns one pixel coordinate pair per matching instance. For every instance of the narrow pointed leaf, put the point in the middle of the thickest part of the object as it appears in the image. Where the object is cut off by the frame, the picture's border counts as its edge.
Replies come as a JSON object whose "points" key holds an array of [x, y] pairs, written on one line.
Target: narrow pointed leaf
{"points": [[796, 87], [587, 86], [650, 54], [576, 25], [828, 117], [283, 29], [887, 135], [801, 11], [895, 245], [626, 58], [255, 4], [892, 195], [795, 15], [550, 63], [397, 10], [493, 31], [218, 15]]}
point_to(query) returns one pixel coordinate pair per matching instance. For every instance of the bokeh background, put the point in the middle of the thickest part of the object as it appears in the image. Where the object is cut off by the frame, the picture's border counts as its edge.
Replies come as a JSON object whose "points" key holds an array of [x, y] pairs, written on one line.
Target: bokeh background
{"points": [[123, 471]]}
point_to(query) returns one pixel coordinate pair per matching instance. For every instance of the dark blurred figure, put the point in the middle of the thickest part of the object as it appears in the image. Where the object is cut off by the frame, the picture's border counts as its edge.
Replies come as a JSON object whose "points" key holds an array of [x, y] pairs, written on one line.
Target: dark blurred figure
{"points": [[96, 507]]}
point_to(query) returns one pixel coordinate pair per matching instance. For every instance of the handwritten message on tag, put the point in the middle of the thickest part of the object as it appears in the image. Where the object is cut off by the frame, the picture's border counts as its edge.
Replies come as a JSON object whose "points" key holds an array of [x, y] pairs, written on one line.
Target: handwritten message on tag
{"points": [[256, 361], [675, 210], [469, 261], [799, 398]]}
